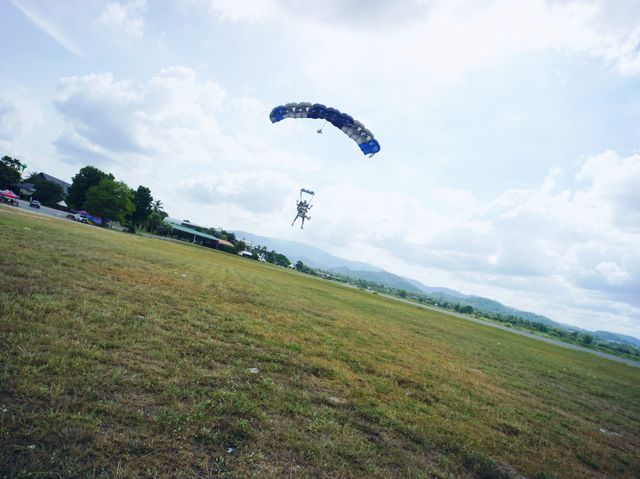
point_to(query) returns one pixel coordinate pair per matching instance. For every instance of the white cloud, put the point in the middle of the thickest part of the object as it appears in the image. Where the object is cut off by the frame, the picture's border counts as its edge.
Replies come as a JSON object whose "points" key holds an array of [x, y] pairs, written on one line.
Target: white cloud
{"points": [[97, 109], [612, 273], [248, 10], [18, 116], [124, 17], [173, 117], [615, 191], [258, 192], [412, 45], [451, 198]]}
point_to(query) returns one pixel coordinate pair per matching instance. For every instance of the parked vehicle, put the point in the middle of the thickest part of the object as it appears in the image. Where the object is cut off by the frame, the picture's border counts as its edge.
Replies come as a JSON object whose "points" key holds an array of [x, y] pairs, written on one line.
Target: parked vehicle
{"points": [[34, 204], [9, 201], [77, 217]]}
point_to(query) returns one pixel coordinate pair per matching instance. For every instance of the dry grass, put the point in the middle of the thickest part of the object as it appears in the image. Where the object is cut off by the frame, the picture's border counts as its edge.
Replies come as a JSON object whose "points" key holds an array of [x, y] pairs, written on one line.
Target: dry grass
{"points": [[123, 356]]}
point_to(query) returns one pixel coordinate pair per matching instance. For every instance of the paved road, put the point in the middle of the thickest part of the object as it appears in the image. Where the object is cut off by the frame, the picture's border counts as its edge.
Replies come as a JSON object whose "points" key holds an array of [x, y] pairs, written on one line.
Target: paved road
{"points": [[43, 210], [630, 362]]}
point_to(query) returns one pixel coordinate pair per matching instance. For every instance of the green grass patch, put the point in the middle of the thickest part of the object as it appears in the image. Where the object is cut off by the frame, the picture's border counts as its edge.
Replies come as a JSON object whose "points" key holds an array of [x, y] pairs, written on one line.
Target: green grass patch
{"points": [[123, 356]]}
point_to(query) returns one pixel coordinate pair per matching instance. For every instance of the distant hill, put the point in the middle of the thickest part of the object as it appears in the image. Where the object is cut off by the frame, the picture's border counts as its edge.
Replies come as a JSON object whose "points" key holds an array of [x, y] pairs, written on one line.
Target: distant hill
{"points": [[618, 338], [318, 259], [449, 295], [309, 255], [381, 277], [492, 306], [435, 290]]}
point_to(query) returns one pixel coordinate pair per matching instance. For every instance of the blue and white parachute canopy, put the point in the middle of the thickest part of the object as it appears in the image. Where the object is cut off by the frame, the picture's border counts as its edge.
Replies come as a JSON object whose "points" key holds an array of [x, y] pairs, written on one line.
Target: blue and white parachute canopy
{"points": [[352, 128], [309, 192]]}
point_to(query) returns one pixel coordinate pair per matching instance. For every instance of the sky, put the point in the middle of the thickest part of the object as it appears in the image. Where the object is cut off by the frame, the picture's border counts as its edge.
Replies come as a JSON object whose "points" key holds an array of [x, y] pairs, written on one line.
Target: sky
{"points": [[510, 130]]}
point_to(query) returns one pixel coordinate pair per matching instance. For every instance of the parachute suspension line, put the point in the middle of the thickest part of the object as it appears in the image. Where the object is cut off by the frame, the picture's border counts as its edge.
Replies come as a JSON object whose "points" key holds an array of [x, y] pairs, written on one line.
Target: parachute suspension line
{"points": [[319, 130], [310, 193]]}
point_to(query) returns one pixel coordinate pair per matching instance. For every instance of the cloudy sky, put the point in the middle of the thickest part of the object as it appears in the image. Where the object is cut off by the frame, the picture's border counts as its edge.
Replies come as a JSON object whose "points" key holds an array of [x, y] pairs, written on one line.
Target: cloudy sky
{"points": [[510, 131]]}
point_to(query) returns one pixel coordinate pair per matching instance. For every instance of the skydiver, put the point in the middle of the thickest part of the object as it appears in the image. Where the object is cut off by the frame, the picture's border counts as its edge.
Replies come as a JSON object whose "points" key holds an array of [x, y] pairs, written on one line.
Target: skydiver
{"points": [[303, 209]]}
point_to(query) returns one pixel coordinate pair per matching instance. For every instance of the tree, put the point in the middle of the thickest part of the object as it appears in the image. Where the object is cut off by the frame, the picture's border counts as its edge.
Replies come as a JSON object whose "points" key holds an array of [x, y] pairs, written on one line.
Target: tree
{"points": [[299, 265], [142, 202], [157, 206], [109, 199], [10, 171], [280, 259], [156, 224], [586, 338], [47, 193], [87, 177]]}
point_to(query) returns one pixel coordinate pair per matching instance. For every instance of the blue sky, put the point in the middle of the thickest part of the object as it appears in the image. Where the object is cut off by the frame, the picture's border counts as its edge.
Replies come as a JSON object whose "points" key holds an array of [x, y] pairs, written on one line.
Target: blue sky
{"points": [[510, 164]]}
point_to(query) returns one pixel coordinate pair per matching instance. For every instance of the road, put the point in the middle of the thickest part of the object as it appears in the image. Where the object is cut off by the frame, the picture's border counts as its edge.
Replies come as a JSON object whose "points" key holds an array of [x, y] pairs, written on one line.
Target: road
{"points": [[43, 210]]}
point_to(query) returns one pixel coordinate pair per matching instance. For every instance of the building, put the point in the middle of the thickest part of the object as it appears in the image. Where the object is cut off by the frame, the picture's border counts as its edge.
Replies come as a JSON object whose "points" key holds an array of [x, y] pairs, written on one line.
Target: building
{"points": [[193, 236], [26, 190], [43, 176]]}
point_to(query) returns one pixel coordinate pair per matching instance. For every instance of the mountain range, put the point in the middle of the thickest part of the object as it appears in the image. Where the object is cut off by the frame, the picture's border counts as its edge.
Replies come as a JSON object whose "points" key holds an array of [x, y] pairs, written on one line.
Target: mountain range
{"points": [[309, 255], [319, 259]]}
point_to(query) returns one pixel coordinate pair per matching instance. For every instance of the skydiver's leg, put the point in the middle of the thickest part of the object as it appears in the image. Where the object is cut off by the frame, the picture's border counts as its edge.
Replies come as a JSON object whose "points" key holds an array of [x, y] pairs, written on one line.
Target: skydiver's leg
{"points": [[302, 224], [294, 220]]}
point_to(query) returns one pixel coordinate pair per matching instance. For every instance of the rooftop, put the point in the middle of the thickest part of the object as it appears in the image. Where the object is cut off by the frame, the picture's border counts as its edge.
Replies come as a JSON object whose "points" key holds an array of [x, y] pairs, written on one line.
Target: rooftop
{"points": [[197, 233], [53, 179]]}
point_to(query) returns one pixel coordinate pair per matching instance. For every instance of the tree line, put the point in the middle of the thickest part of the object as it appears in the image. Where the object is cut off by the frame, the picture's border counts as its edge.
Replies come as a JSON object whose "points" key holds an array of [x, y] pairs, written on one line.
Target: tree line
{"points": [[94, 191], [101, 195], [11, 171]]}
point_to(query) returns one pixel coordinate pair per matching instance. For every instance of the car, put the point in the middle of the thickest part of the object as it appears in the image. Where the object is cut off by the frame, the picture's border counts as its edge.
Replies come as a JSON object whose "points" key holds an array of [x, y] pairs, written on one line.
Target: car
{"points": [[81, 218], [34, 204]]}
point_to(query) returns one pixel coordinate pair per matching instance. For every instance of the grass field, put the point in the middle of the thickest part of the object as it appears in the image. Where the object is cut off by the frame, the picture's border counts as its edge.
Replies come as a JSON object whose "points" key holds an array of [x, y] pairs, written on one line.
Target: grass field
{"points": [[123, 356]]}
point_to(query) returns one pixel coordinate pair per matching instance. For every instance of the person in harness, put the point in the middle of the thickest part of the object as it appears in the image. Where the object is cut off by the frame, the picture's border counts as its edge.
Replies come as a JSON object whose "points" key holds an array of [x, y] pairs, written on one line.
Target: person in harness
{"points": [[303, 208]]}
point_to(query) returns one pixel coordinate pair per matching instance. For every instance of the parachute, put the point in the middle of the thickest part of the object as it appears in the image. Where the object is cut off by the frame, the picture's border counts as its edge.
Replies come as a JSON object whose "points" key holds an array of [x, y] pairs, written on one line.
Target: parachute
{"points": [[350, 127]]}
